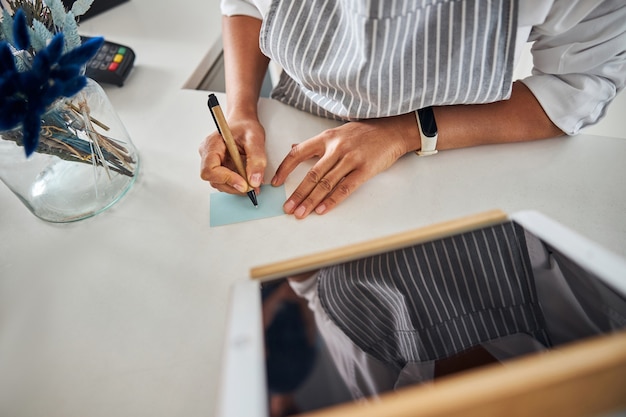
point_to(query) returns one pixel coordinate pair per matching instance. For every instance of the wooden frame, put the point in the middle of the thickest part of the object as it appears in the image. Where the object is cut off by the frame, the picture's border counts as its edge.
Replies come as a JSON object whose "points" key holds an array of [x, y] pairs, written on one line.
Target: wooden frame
{"points": [[372, 247]]}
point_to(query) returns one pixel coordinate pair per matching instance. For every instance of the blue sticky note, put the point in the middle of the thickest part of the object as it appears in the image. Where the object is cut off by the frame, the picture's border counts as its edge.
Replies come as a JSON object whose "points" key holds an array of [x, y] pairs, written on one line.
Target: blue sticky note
{"points": [[230, 208]]}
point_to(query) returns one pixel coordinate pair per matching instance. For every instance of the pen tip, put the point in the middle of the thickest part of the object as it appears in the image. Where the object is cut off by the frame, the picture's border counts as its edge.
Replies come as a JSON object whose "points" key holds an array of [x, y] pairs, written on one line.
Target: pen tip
{"points": [[252, 196]]}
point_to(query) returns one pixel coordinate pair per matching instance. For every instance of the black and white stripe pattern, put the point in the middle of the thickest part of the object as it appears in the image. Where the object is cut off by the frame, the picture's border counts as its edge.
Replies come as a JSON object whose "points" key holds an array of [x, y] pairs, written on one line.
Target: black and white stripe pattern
{"points": [[355, 59], [436, 299]]}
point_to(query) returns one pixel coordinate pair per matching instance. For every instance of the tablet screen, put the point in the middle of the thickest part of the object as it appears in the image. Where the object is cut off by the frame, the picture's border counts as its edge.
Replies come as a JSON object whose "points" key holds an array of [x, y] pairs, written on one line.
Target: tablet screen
{"points": [[354, 330]]}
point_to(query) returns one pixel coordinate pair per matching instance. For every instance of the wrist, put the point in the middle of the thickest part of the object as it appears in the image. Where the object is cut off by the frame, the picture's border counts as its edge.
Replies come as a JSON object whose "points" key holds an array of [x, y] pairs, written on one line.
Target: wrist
{"points": [[411, 133], [243, 111]]}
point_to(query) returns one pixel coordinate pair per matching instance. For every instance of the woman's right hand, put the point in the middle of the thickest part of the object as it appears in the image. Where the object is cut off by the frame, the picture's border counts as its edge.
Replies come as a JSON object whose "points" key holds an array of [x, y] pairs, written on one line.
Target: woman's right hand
{"points": [[245, 67], [217, 167]]}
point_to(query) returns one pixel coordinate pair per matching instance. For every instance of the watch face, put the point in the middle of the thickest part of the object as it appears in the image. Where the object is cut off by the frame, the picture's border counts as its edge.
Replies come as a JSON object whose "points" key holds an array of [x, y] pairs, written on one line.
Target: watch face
{"points": [[427, 122]]}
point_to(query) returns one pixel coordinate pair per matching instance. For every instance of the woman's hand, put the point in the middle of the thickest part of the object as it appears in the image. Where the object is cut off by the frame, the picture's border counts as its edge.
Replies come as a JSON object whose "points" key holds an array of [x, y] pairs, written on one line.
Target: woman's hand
{"points": [[244, 68], [217, 167], [349, 155]]}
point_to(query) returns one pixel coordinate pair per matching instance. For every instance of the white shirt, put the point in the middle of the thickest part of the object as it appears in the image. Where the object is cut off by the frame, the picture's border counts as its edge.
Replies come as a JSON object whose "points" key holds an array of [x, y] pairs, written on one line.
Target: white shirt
{"points": [[579, 54]]}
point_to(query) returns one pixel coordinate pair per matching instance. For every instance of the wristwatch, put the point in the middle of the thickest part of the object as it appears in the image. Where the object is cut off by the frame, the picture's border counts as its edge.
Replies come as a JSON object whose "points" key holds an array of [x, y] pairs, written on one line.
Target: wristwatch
{"points": [[428, 131]]}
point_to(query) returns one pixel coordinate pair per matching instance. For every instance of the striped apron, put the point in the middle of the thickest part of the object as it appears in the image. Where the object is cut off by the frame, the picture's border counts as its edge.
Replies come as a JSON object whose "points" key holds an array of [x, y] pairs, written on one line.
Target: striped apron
{"points": [[436, 299], [358, 59]]}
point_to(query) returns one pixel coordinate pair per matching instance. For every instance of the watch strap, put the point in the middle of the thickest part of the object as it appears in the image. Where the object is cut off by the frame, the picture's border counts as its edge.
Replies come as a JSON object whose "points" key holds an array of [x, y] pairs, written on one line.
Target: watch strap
{"points": [[428, 131]]}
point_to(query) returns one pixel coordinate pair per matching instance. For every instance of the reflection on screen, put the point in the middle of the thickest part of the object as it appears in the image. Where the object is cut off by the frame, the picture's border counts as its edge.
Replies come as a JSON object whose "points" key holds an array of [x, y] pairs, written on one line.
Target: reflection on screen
{"points": [[352, 331]]}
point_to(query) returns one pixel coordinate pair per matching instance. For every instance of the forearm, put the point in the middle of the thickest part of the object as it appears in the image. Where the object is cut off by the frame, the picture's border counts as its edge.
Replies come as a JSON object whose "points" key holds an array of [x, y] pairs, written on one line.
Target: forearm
{"points": [[244, 64], [521, 118]]}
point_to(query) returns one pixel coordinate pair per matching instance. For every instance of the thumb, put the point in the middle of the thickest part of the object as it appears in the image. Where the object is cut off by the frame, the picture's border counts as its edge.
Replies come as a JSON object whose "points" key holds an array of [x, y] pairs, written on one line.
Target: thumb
{"points": [[256, 161], [256, 171]]}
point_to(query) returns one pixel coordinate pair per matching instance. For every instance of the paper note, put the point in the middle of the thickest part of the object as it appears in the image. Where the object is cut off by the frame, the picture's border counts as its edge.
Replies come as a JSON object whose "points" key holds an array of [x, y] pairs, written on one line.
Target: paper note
{"points": [[229, 208]]}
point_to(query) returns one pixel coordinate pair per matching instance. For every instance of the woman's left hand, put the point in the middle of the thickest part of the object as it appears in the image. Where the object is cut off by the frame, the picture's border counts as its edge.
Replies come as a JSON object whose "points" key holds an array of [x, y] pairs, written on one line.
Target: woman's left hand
{"points": [[349, 155]]}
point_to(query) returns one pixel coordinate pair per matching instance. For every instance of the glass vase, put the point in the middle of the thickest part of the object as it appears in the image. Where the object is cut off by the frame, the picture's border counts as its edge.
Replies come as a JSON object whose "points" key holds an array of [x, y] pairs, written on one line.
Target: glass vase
{"points": [[84, 163]]}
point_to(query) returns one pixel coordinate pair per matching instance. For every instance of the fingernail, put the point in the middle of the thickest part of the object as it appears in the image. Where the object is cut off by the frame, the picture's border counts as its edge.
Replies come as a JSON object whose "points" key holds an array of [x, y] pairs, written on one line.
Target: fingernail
{"points": [[240, 188], [320, 209], [255, 180], [289, 205], [300, 211], [274, 181]]}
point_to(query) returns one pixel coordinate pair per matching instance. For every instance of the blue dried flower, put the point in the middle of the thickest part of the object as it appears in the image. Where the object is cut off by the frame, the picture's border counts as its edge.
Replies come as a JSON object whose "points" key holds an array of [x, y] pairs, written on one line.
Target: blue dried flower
{"points": [[25, 96], [20, 30]]}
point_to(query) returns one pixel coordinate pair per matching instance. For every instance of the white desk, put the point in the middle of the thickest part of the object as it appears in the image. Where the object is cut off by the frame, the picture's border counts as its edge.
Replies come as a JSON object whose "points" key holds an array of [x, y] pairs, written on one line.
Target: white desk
{"points": [[123, 314]]}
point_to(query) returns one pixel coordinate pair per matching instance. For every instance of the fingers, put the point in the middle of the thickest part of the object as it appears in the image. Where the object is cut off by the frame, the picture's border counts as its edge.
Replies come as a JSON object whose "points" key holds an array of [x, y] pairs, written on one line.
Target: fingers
{"points": [[213, 167], [331, 180], [298, 154], [322, 194], [217, 166]]}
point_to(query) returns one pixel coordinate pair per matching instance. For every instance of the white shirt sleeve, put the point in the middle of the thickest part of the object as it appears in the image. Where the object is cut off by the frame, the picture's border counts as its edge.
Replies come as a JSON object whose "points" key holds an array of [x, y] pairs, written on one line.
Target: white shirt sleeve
{"points": [[240, 7], [579, 58]]}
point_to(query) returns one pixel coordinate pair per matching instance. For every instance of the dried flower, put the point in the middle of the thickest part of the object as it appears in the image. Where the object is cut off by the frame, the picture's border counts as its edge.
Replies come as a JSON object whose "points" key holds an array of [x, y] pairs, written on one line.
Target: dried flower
{"points": [[33, 77]]}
